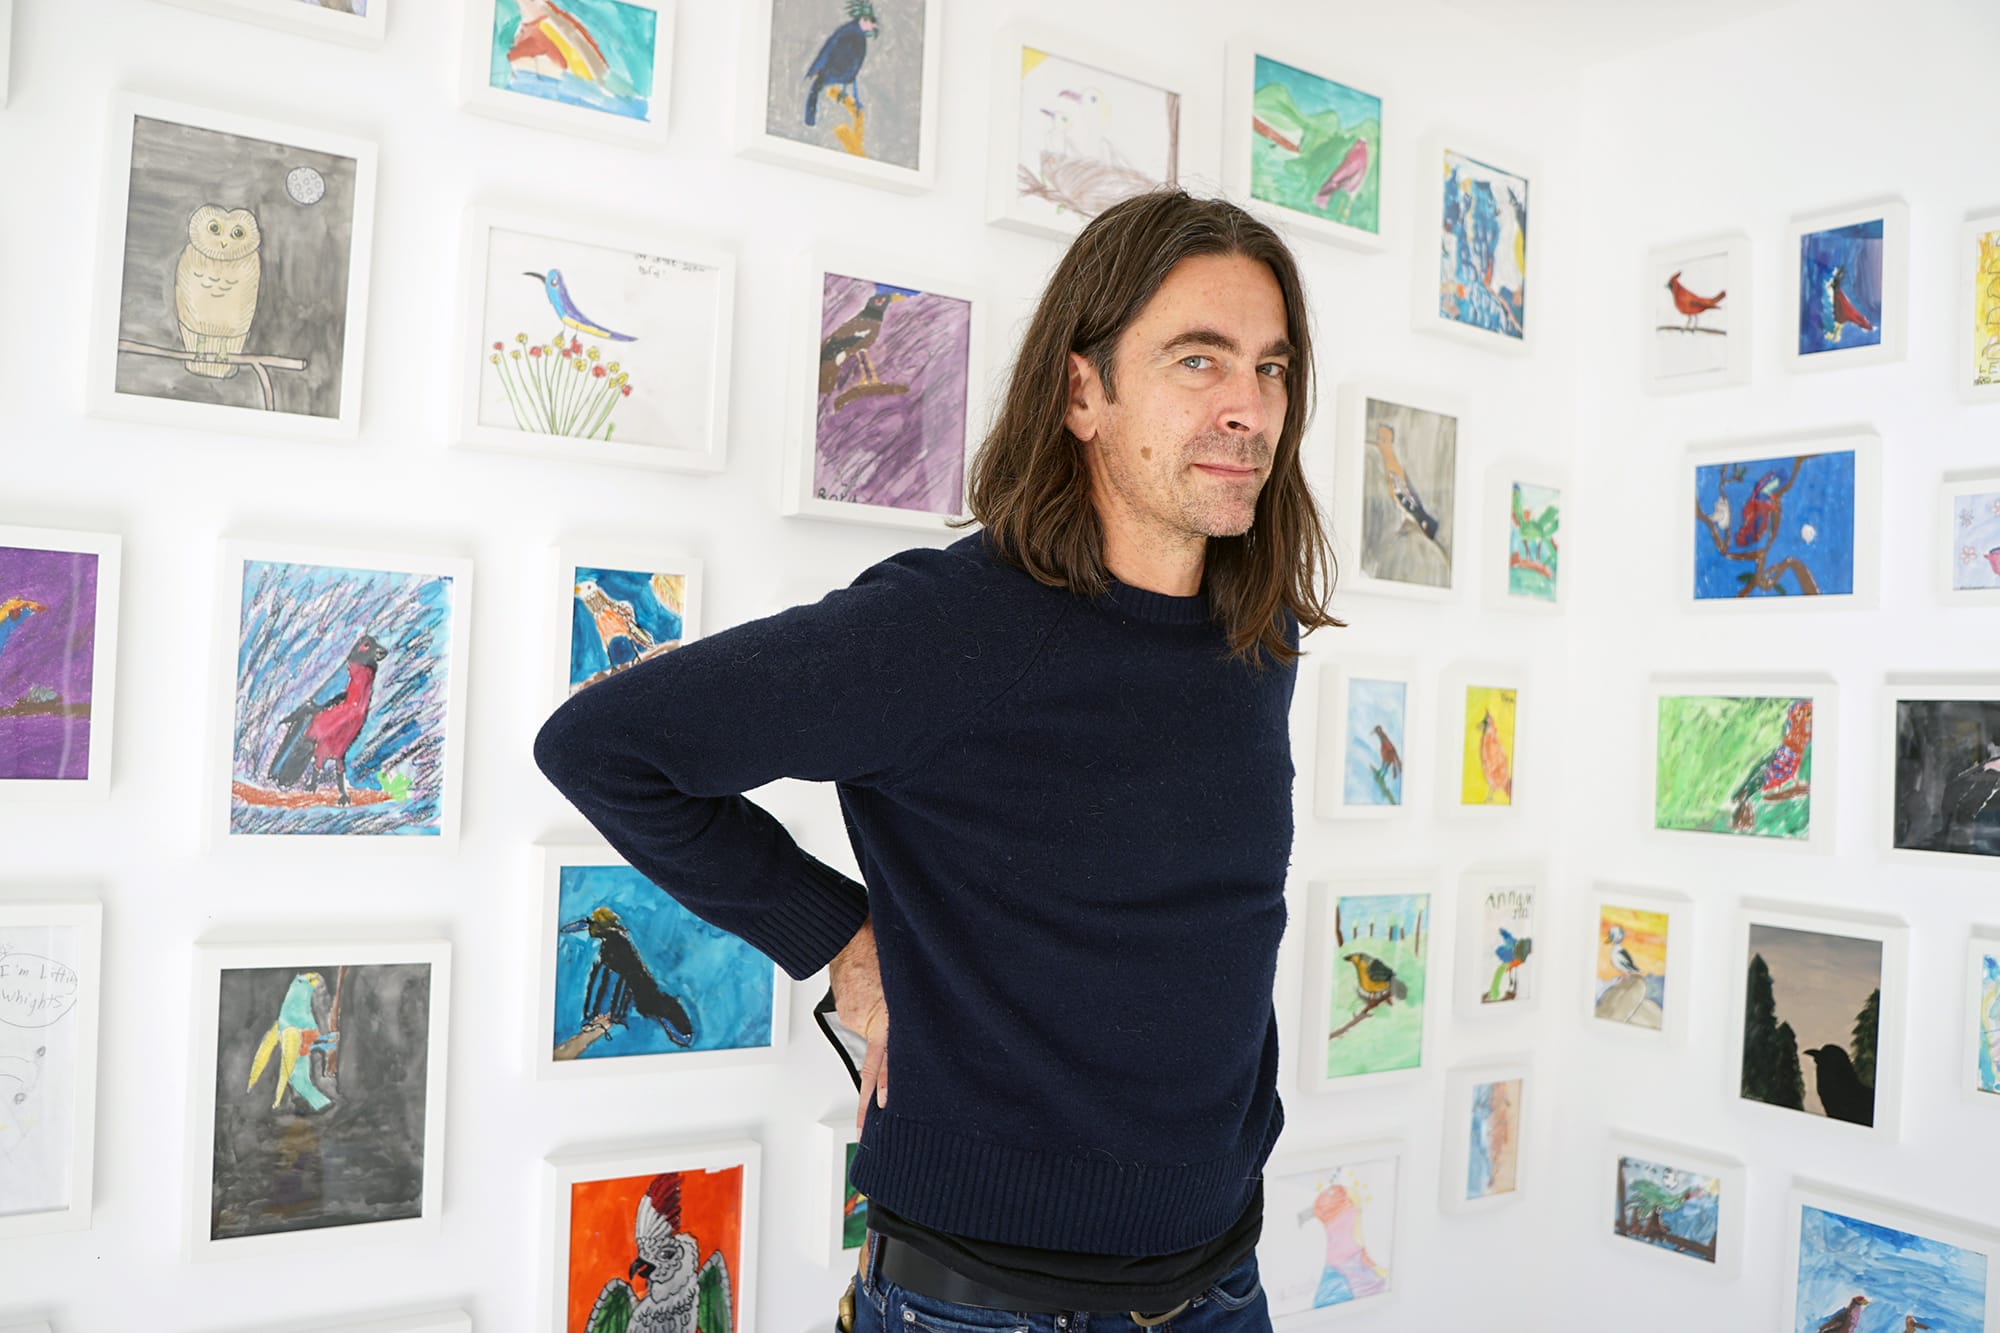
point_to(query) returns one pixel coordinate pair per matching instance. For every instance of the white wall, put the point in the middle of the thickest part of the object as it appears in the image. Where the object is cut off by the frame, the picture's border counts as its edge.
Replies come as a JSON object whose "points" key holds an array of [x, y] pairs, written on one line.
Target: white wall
{"points": [[1805, 108], [173, 493]]}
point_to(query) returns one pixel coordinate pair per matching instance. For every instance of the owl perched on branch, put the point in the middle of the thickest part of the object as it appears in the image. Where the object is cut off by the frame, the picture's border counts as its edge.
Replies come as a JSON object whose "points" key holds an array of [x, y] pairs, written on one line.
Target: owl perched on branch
{"points": [[215, 286]]}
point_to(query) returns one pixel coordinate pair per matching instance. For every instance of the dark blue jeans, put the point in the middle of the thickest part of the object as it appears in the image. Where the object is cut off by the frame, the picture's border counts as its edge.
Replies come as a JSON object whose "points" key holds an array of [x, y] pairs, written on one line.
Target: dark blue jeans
{"points": [[1235, 1304]]}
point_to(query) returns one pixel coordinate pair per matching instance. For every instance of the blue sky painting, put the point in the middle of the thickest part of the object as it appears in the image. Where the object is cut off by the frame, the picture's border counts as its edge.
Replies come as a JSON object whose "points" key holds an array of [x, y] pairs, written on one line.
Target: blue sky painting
{"points": [[1900, 1273], [1365, 778], [1840, 288], [1747, 506]]}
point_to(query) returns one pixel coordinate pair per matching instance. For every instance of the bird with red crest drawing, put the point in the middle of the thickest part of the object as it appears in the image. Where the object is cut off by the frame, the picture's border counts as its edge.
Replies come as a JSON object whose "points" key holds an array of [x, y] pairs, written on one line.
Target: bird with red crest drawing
{"points": [[1692, 305], [1760, 510], [683, 1294], [1775, 777], [1837, 311]]}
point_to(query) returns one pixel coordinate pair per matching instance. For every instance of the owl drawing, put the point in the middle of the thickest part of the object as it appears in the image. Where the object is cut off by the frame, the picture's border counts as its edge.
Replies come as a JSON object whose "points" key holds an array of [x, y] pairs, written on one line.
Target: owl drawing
{"points": [[215, 286]]}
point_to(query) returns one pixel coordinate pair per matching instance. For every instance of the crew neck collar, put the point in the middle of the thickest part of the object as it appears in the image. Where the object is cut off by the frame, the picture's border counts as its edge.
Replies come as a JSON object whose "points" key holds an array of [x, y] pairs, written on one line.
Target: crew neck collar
{"points": [[1157, 606]]}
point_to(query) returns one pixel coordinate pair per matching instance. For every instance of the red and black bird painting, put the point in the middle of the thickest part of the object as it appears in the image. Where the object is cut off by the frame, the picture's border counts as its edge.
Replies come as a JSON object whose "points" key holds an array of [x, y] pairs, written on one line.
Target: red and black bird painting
{"points": [[1690, 304], [324, 728]]}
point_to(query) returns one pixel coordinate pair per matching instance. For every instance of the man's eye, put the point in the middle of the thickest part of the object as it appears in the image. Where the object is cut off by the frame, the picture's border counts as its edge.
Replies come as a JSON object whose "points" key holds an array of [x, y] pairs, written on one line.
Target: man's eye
{"points": [[1277, 370], [1189, 362]]}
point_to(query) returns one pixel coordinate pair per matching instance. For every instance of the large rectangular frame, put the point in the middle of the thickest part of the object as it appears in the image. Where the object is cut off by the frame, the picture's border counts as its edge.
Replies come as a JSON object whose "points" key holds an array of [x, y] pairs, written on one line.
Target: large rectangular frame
{"points": [[1866, 446], [1861, 1208], [1321, 958], [1297, 1160], [1825, 695], [1350, 470]]}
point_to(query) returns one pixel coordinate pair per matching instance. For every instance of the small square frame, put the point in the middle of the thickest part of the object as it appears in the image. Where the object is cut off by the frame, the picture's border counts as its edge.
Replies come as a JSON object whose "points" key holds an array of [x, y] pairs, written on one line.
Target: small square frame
{"points": [[1496, 525], [1895, 217], [1964, 312], [1730, 1212], [1668, 259], [311, 19], [1823, 828], [1296, 1161], [590, 553], [1983, 944], [1950, 491], [1926, 689], [1351, 471], [1243, 52], [831, 1141], [1681, 912], [1329, 764], [1866, 447], [477, 94]]}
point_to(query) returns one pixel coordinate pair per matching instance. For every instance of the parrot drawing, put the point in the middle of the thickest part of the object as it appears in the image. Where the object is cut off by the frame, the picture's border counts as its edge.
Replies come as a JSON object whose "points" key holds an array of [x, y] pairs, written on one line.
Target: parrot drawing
{"points": [[1760, 510], [620, 981], [1775, 776], [682, 1293], [295, 1035], [1494, 764], [1512, 953], [838, 63], [324, 728], [1837, 312], [1691, 305]]}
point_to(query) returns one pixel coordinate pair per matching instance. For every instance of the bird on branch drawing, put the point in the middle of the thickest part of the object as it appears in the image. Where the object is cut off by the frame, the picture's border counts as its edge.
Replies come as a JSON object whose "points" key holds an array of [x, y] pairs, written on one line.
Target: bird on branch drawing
{"points": [[1758, 526]]}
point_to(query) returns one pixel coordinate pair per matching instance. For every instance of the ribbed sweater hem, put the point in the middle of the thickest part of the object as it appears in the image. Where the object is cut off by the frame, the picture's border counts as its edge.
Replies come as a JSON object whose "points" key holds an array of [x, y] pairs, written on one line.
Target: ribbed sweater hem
{"points": [[952, 1182]]}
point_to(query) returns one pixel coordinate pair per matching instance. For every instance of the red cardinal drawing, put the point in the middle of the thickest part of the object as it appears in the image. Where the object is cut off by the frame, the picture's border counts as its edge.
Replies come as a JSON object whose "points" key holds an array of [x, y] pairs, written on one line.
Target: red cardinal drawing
{"points": [[1689, 304], [1348, 176], [1843, 312]]}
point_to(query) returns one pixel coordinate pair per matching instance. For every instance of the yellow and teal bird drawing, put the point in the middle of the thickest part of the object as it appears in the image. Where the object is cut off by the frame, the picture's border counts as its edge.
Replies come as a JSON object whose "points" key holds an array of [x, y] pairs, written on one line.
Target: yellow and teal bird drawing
{"points": [[295, 1035], [566, 310]]}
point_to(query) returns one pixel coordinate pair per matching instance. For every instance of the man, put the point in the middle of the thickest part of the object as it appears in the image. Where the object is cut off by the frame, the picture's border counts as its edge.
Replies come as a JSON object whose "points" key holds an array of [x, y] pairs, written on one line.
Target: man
{"points": [[1062, 753]]}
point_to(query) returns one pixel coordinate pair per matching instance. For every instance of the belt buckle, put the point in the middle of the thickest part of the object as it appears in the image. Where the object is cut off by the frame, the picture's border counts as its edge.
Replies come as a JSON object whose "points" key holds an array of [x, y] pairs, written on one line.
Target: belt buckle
{"points": [[1155, 1320]]}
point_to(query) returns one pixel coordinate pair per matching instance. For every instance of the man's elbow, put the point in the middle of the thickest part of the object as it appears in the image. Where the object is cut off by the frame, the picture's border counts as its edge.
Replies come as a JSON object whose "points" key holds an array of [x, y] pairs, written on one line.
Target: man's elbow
{"points": [[562, 747]]}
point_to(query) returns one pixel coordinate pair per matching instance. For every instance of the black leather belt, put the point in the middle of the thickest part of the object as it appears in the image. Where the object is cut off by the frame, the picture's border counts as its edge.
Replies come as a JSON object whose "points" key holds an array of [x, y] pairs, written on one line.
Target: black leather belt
{"points": [[914, 1271]]}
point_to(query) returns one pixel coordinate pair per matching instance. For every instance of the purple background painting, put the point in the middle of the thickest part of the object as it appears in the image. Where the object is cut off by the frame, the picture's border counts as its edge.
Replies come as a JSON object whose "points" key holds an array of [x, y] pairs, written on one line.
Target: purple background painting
{"points": [[46, 661], [906, 450]]}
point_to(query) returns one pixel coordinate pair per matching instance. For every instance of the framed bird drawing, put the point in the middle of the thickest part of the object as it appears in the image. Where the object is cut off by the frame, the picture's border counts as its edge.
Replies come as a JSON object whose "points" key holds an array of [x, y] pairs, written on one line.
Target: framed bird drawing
{"points": [[1641, 940], [355, 22], [1475, 248], [6, 45], [1526, 504], [1485, 718], [1698, 306], [232, 274], [1332, 1235], [590, 342], [1680, 1208], [1750, 758], [1942, 803], [1366, 1015], [664, 1237], [1785, 523], [1395, 492], [632, 982], [840, 1209], [1304, 148], [340, 712], [1968, 519], [323, 1051], [1847, 286], [1486, 1135], [886, 362], [848, 88], [1819, 1036], [1496, 971], [1854, 1264], [1076, 127], [1365, 738], [1977, 373], [58, 660], [615, 607], [599, 68], [50, 952], [1979, 1054]]}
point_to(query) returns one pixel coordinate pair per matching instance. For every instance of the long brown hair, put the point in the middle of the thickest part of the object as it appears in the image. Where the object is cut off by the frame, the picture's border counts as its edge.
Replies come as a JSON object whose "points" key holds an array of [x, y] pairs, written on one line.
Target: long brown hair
{"points": [[1031, 483]]}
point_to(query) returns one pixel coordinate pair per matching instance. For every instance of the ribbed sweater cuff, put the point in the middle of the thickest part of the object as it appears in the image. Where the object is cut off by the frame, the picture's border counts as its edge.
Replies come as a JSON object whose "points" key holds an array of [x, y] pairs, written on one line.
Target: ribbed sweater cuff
{"points": [[802, 930], [965, 1186]]}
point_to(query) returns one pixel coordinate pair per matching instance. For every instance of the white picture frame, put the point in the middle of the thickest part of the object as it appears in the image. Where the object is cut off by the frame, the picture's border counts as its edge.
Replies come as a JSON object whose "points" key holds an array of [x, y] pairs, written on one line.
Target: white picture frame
{"points": [[313, 20], [1715, 301], [552, 858], [655, 258], [1323, 954], [1898, 690], [1822, 827], [832, 1139], [563, 1172], [39, 1326], [1699, 513], [1042, 217], [1982, 1021], [633, 558], [754, 139], [1496, 559], [219, 798], [1370, 565], [797, 496], [1969, 348], [446, 1321], [1428, 251], [1285, 1248], [1894, 305], [6, 45], [478, 94], [1517, 894], [1456, 748], [27, 1064], [304, 186], [213, 959], [1727, 1172], [1681, 913], [1957, 509], [1901, 1273], [1237, 168], [1460, 1086], [1893, 938], [1335, 747], [106, 549]]}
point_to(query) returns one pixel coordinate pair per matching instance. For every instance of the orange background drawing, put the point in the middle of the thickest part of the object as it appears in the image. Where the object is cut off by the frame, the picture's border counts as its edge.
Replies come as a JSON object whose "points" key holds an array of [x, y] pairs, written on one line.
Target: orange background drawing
{"points": [[1645, 940], [602, 1214]]}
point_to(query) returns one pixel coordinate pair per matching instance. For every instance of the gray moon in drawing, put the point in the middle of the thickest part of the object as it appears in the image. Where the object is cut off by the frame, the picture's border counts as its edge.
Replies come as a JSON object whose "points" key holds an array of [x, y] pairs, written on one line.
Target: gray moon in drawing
{"points": [[305, 185]]}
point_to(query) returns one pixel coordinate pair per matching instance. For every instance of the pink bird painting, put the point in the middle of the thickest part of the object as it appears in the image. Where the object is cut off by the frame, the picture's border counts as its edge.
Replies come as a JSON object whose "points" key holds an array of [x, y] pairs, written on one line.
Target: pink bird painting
{"points": [[1347, 177]]}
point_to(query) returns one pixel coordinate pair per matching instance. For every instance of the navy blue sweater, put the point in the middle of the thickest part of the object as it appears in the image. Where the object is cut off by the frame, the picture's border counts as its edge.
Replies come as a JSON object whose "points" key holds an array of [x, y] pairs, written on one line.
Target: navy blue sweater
{"points": [[1073, 818]]}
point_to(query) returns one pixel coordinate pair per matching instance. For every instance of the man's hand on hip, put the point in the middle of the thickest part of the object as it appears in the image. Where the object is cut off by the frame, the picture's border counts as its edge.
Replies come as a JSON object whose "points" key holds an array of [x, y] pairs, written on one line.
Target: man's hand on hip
{"points": [[856, 976]]}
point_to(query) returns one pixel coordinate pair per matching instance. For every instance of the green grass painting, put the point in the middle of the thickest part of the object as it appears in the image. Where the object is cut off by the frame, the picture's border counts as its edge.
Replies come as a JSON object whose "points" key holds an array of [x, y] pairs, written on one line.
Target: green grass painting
{"points": [[1740, 766], [1316, 146]]}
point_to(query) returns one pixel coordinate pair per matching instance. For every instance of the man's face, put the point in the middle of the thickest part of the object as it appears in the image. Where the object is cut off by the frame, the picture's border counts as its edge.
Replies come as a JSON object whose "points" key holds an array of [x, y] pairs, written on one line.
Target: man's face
{"points": [[1202, 381]]}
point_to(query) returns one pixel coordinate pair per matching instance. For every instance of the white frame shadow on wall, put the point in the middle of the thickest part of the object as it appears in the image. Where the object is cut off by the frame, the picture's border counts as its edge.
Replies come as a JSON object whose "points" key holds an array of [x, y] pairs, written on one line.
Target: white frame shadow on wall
{"points": [[86, 918], [752, 96], [810, 271], [102, 397], [703, 449]]}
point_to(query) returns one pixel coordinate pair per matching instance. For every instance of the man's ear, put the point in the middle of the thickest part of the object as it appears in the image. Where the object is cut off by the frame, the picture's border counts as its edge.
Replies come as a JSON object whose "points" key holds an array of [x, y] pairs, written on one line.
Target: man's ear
{"points": [[1086, 396]]}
